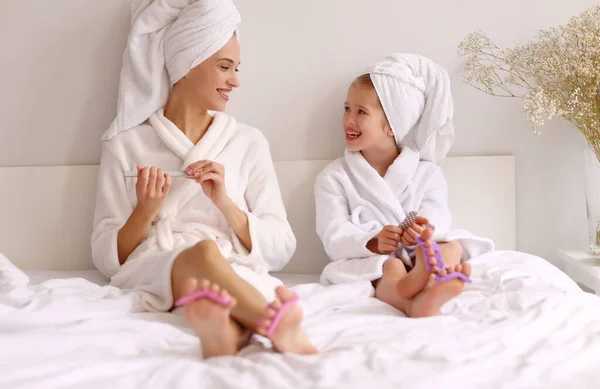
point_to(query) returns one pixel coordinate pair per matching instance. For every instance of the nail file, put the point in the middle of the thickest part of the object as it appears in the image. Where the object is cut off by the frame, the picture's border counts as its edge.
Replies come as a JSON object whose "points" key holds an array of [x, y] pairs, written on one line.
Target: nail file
{"points": [[172, 173]]}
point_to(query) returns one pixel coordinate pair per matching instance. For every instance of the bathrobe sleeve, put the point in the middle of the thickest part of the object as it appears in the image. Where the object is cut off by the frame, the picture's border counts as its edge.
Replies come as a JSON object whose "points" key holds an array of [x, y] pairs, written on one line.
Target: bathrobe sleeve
{"points": [[272, 237], [112, 210], [434, 205], [340, 237]]}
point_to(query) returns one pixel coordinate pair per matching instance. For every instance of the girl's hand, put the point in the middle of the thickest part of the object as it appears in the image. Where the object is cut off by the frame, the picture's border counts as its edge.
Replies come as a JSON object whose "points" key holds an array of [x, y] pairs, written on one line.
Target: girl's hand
{"points": [[415, 229], [388, 239]]}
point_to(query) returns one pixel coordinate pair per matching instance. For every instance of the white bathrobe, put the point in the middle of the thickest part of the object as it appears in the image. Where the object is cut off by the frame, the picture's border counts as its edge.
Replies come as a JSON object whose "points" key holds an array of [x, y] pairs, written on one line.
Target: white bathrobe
{"points": [[354, 203], [188, 216]]}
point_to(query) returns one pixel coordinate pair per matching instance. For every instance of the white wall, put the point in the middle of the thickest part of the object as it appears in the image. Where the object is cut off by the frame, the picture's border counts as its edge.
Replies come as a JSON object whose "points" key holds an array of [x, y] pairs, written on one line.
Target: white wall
{"points": [[61, 58]]}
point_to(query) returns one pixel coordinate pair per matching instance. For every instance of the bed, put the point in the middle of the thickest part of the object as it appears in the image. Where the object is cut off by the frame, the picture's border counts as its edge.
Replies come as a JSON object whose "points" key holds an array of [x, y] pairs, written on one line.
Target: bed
{"points": [[521, 324]]}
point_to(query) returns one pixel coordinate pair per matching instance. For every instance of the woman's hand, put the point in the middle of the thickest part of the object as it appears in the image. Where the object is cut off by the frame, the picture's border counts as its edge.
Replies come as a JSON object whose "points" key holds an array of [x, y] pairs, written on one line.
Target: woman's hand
{"points": [[152, 188], [211, 177]]}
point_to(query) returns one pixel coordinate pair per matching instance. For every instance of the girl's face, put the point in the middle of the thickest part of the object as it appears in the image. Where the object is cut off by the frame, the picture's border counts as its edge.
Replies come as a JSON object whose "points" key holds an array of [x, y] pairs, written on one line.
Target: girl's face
{"points": [[364, 121]]}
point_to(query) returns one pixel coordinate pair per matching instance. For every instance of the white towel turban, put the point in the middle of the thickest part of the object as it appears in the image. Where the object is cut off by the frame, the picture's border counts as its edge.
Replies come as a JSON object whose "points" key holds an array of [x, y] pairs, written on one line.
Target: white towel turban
{"points": [[416, 98], [167, 39]]}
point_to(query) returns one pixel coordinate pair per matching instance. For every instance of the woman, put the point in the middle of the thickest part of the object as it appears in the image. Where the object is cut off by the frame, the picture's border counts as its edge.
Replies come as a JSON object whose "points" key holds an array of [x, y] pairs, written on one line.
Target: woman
{"points": [[206, 237]]}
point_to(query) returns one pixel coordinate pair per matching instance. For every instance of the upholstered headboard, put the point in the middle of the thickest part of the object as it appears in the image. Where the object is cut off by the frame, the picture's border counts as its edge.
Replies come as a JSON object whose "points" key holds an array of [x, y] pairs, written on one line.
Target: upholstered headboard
{"points": [[46, 211]]}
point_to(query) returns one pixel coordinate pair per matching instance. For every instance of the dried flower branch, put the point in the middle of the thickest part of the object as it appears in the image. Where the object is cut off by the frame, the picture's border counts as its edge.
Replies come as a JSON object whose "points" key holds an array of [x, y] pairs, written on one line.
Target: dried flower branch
{"points": [[558, 74]]}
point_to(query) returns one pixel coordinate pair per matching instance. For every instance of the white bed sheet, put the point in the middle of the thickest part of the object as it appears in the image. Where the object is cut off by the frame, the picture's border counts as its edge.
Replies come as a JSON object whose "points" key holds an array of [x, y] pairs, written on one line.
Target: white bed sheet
{"points": [[39, 276], [521, 324]]}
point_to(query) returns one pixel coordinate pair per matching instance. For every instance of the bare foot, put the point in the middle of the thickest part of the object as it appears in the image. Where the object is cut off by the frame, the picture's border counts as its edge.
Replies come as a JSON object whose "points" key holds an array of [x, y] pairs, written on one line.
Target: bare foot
{"points": [[430, 301], [417, 279], [211, 320], [288, 335]]}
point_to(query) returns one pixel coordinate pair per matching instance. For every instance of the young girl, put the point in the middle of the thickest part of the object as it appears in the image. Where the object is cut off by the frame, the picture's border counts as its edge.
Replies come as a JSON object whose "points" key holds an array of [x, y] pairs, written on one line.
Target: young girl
{"points": [[205, 237], [398, 127]]}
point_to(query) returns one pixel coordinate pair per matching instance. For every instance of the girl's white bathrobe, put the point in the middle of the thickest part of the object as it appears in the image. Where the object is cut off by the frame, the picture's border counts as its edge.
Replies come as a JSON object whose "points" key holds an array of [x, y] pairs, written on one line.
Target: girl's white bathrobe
{"points": [[188, 216], [354, 203]]}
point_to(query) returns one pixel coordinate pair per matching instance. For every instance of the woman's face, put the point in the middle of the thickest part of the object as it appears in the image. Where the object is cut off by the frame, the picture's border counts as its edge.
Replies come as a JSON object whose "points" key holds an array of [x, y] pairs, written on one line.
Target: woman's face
{"points": [[210, 83]]}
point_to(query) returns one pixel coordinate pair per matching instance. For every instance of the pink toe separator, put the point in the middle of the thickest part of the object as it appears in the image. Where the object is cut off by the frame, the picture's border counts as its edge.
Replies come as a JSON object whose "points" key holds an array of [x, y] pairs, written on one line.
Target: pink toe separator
{"points": [[200, 294], [284, 307], [440, 263]]}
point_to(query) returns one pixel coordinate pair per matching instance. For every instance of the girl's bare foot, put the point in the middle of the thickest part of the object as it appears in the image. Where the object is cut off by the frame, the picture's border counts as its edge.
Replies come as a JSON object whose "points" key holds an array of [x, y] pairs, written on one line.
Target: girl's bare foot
{"points": [[418, 278], [430, 301]]}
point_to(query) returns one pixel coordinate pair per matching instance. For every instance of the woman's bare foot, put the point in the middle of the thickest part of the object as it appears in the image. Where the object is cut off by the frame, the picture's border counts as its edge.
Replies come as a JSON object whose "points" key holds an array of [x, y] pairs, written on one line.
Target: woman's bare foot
{"points": [[210, 320], [430, 301], [288, 335]]}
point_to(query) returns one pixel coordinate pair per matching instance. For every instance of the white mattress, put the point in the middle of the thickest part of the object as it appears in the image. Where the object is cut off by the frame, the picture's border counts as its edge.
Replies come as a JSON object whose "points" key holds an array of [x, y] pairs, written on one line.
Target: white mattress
{"points": [[521, 324]]}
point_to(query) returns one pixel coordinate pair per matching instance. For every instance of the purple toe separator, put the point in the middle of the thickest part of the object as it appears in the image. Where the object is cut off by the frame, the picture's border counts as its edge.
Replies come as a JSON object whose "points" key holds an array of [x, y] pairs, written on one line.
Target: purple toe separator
{"points": [[200, 294], [279, 313], [440, 263]]}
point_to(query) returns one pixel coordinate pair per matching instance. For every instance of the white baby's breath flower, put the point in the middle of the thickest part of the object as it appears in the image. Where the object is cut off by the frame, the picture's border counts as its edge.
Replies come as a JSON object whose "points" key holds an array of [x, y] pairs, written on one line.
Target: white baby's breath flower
{"points": [[557, 74]]}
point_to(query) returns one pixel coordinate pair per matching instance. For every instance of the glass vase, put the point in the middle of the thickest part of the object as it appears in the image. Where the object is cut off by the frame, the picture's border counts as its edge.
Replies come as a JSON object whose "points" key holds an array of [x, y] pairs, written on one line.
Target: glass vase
{"points": [[592, 199]]}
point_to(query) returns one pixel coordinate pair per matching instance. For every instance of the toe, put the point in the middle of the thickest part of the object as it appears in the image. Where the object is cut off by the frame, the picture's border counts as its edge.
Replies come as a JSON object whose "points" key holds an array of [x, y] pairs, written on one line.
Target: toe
{"points": [[275, 304], [284, 293], [214, 288], [427, 235], [189, 286], [204, 284], [263, 325], [466, 269], [224, 294]]}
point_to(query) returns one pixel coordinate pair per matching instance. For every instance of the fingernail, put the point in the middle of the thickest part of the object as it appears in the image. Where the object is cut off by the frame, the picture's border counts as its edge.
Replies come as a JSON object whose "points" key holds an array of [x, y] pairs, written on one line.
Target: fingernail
{"points": [[189, 171]]}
